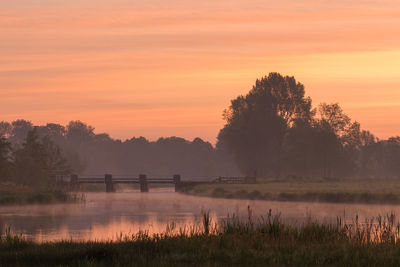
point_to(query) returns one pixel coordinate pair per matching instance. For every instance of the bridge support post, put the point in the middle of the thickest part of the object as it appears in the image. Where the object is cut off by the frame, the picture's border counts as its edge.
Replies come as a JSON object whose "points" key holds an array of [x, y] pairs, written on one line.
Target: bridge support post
{"points": [[109, 183], [144, 187], [177, 182]]}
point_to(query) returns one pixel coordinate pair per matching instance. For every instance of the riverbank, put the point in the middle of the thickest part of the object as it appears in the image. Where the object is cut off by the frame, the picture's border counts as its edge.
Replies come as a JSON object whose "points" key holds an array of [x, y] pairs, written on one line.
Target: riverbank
{"points": [[252, 243], [12, 194], [365, 191]]}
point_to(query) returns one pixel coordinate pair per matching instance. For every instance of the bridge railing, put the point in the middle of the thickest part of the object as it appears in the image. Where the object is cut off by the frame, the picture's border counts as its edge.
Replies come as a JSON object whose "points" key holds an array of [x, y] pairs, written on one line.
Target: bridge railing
{"points": [[110, 181]]}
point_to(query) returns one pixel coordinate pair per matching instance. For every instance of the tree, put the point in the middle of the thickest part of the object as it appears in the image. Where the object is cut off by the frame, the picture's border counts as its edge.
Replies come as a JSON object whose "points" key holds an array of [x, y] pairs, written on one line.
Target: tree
{"points": [[38, 160], [20, 129], [56, 163], [5, 129], [257, 123], [30, 161], [5, 162], [79, 132]]}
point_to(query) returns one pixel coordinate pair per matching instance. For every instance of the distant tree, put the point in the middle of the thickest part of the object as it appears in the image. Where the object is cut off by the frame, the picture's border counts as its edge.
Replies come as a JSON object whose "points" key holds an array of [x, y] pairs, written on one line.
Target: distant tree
{"points": [[20, 129], [55, 131], [79, 133], [5, 129], [257, 123], [56, 163], [37, 160], [30, 161], [393, 154], [5, 162]]}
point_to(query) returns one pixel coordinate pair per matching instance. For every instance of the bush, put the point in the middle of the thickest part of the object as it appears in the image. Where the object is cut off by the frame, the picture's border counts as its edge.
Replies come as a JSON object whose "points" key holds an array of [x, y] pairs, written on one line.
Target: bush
{"points": [[219, 192]]}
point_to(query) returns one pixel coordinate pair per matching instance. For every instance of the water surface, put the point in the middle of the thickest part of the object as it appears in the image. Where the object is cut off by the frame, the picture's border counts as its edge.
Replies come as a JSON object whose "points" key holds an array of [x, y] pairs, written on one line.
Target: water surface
{"points": [[106, 216]]}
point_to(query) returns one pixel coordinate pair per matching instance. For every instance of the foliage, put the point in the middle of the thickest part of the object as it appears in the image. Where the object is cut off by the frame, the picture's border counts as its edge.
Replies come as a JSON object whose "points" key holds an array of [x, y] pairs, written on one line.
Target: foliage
{"points": [[39, 197], [5, 161], [86, 151], [273, 131], [38, 160], [257, 123]]}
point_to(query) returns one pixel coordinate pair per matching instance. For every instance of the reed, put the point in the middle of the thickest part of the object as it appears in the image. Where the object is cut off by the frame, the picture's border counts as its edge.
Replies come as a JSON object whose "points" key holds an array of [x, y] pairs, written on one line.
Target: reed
{"points": [[234, 241], [40, 197]]}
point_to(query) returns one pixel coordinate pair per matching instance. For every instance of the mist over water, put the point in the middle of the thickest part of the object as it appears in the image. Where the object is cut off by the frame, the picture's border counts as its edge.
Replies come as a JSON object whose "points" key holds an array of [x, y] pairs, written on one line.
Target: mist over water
{"points": [[106, 216]]}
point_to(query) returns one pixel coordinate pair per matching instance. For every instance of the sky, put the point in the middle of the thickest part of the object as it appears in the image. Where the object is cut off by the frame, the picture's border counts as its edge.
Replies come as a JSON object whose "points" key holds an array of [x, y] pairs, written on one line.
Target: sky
{"points": [[158, 68]]}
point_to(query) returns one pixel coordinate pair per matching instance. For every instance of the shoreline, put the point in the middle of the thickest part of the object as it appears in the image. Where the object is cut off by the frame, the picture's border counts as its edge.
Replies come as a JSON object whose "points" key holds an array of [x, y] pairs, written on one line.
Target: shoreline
{"points": [[15, 195], [341, 191], [312, 198]]}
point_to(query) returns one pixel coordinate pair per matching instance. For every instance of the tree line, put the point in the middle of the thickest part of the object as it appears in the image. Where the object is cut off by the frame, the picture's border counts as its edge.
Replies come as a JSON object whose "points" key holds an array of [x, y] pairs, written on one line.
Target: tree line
{"points": [[275, 131], [33, 162], [29, 152], [272, 131]]}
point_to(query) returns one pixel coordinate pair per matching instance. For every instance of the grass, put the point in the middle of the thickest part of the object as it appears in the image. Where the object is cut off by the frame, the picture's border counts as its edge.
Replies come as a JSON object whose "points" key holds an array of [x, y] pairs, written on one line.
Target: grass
{"points": [[261, 242], [323, 190], [11, 194]]}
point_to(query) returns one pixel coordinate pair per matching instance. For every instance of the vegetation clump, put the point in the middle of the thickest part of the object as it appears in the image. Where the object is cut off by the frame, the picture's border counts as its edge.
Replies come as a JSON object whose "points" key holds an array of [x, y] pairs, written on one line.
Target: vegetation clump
{"points": [[28, 169], [40, 197], [274, 131]]}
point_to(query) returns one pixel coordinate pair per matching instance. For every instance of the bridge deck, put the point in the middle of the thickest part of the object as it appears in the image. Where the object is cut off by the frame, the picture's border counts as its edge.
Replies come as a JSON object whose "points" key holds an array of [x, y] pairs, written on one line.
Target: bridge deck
{"points": [[126, 180], [109, 180]]}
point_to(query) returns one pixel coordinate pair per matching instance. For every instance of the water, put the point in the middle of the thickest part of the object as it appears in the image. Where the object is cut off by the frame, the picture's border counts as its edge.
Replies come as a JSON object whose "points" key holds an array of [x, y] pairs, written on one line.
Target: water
{"points": [[106, 216]]}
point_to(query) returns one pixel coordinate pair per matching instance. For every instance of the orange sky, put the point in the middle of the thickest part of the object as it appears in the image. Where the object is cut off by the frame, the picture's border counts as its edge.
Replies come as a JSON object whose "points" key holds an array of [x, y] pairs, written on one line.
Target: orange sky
{"points": [[161, 68]]}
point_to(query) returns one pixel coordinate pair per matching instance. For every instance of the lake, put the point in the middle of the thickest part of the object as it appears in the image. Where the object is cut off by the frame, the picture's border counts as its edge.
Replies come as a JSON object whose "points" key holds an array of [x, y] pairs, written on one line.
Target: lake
{"points": [[105, 216]]}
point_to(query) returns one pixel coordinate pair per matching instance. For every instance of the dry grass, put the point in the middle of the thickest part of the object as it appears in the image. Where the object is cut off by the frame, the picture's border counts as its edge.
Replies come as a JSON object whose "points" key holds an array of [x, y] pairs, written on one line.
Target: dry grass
{"points": [[14, 188], [347, 190]]}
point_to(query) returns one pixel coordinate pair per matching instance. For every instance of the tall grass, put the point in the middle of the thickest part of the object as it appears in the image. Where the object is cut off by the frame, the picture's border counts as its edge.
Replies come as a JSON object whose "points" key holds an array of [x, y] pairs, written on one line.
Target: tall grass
{"points": [[331, 197], [40, 197], [234, 241]]}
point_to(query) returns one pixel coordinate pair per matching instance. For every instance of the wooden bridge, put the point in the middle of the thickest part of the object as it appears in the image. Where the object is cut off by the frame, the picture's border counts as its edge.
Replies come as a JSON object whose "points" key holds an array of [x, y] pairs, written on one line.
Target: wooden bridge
{"points": [[74, 181], [109, 180]]}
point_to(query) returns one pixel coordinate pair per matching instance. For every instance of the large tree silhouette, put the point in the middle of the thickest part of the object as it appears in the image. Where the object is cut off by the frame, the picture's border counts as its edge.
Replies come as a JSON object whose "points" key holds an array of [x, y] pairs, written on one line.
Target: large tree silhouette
{"points": [[256, 124]]}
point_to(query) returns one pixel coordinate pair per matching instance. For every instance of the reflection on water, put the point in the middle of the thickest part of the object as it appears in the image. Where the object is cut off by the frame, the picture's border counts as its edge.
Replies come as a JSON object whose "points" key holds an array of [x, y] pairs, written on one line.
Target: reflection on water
{"points": [[107, 216]]}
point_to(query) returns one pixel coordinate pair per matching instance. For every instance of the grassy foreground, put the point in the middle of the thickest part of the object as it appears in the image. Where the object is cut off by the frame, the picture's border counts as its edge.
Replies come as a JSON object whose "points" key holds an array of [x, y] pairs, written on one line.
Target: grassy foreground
{"points": [[10, 194], [231, 243], [323, 190]]}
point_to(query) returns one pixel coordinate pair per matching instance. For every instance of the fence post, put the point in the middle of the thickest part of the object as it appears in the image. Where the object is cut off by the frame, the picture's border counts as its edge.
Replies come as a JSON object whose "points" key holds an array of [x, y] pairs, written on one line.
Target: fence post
{"points": [[177, 182], [143, 183], [109, 183]]}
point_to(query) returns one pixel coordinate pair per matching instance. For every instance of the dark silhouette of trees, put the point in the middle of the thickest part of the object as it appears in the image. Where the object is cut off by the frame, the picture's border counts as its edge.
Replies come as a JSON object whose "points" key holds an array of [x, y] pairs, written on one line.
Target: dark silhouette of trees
{"points": [[273, 130], [5, 129], [38, 160], [30, 161], [88, 152], [79, 133], [256, 124], [20, 129], [381, 158], [5, 160]]}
